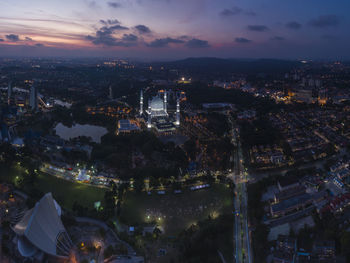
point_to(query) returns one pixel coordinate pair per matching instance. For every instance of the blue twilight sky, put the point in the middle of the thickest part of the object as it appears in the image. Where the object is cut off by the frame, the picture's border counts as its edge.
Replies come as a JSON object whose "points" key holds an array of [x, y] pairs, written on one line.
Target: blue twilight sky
{"points": [[172, 29]]}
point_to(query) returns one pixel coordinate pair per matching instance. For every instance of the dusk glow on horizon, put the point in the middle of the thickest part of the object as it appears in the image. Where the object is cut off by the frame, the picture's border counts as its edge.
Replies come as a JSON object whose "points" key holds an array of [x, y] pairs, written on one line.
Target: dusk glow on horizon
{"points": [[173, 29]]}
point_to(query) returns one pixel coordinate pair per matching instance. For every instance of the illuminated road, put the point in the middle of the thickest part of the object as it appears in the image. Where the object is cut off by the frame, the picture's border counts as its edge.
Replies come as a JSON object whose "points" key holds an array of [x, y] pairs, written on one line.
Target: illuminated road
{"points": [[242, 248]]}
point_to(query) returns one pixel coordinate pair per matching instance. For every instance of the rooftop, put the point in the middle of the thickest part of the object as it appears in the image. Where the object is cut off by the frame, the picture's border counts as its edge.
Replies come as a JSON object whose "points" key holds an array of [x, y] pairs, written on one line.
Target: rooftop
{"points": [[43, 228]]}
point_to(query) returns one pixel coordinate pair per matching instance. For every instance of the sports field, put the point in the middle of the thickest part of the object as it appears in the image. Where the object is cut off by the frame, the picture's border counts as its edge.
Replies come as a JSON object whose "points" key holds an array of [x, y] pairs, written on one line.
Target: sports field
{"points": [[175, 212]]}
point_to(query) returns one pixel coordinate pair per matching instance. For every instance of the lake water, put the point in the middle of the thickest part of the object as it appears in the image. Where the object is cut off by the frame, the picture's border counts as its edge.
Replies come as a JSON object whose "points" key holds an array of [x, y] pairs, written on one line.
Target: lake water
{"points": [[63, 103], [92, 131]]}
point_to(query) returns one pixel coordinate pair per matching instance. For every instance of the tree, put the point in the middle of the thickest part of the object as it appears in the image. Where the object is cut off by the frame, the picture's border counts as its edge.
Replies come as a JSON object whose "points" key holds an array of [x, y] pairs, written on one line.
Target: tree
{"points": [[121, 190], [7, 153], [260, 242], [153, 183], [102, 232], [108, 252], [200, 242], [139, 184], [176, 186], [121, 249], [114, 187], [345, 244], [191, 148], [109, 205], [305, 239], [157, 232]]}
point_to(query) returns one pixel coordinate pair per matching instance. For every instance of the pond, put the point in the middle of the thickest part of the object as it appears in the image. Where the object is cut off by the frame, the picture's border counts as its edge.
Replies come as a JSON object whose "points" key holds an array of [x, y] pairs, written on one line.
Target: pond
{"points": [[92, 131], [63, 103]]}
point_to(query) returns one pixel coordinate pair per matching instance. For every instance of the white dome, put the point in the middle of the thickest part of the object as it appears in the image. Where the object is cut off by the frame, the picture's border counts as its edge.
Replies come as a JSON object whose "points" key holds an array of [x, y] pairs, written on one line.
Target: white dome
{"points": [[157, 104]]}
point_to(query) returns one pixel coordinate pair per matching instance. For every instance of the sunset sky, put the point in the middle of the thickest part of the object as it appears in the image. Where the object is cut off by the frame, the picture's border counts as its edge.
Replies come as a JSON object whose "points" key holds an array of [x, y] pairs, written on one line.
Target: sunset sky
{"points": [[173, 29]]}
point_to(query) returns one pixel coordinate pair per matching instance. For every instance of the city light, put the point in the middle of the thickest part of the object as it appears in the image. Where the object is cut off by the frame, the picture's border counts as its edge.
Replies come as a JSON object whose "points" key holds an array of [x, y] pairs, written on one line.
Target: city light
{"points": [[228, 124]]}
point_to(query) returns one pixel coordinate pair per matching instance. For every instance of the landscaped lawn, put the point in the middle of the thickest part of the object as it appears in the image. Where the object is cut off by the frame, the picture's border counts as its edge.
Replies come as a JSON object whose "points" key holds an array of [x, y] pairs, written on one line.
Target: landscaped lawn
{"points": [[172, 212], [175, 212], [65, 192]]}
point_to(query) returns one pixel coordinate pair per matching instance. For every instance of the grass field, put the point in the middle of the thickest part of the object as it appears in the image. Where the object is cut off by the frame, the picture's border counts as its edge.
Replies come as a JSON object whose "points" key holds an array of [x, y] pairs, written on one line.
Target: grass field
{"points": [[175, 212], [65, 192], [172, 212]]}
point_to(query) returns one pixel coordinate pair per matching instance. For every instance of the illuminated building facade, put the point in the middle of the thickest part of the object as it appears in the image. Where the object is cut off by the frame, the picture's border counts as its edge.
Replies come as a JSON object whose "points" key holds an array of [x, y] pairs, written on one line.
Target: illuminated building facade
{"points": [[157, 115]]}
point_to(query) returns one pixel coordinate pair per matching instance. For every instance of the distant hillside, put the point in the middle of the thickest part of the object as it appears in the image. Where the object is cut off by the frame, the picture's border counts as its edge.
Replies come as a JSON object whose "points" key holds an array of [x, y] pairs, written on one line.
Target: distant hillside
{"points": [[202, 65]]}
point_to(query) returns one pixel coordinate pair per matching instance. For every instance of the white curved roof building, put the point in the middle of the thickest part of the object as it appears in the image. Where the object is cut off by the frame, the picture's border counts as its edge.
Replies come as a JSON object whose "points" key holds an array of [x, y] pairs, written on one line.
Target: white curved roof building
{"points": [[41, 229]]}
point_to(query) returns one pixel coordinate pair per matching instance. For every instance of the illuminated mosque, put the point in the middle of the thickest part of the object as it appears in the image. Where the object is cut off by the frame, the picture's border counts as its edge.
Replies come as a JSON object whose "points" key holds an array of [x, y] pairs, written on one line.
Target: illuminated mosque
{"points": [[157, 115]]}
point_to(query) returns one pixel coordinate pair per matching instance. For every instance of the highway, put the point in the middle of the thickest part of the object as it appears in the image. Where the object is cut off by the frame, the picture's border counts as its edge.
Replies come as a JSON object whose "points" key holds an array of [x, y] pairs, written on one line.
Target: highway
{"points": [[241, 236]]}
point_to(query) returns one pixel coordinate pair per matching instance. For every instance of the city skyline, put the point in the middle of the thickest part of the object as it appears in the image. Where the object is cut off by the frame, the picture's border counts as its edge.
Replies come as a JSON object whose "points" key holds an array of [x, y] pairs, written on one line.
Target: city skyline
{"points": [[155, 29]]}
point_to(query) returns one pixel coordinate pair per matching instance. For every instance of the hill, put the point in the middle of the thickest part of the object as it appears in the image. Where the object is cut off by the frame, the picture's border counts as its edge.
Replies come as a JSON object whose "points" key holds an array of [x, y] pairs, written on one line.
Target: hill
{"points": [[247, 66]]}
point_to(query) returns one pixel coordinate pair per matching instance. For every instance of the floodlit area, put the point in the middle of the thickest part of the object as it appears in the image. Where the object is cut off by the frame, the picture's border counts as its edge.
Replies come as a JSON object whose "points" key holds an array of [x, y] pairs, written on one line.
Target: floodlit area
{"points": [[175, 212]]}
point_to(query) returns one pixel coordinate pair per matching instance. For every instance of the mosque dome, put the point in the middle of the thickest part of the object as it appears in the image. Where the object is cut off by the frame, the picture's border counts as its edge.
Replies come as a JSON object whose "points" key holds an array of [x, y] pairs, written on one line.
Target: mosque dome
{"points": [[157, 104]]}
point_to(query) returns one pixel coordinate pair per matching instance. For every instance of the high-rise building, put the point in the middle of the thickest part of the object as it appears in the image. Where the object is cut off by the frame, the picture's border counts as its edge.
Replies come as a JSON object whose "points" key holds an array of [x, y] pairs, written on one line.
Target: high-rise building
{"points": [[141, 103], [311, 82], [149, 120], [33, 99], [165, 101], [9, 91], [318, 83], [110, 94], [322, 96], [177, 122]]}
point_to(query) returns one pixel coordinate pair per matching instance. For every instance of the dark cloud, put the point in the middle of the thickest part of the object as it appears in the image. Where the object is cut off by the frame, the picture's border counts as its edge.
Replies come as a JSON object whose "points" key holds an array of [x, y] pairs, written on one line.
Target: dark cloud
{"points": [[113, 28], [232, 11], [197, 43], [91, 4], [111, 41], [329, 37], [164, 42], [142, 29], [12, 37], [129, 37], [293, 25], [1, 40], [325, 21], [257, 28], [110, 22], [39, 45], [277, 38], [28, 39], [105, 36], [236, 11], [184, 37], [250, 13], [242, 40], [114, 4]]}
